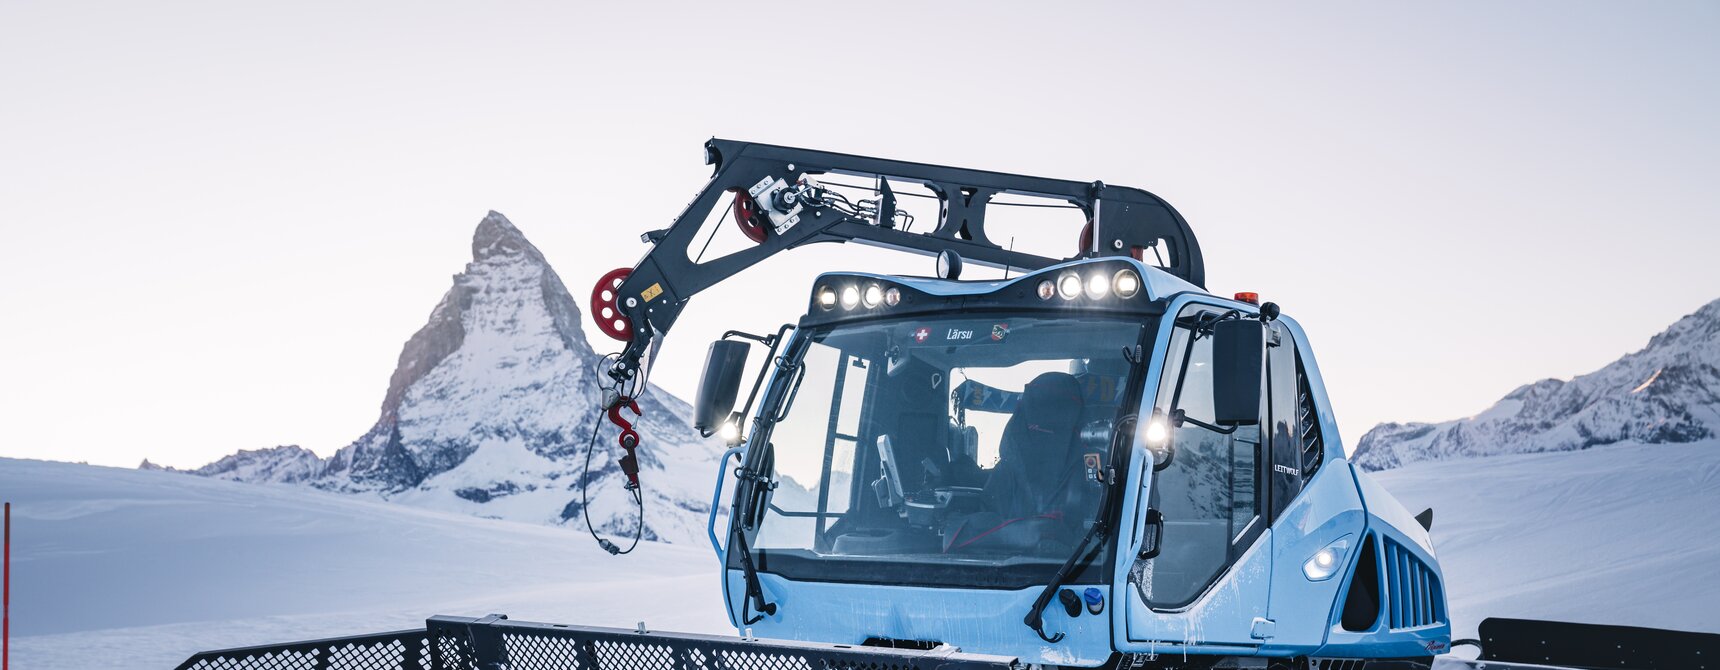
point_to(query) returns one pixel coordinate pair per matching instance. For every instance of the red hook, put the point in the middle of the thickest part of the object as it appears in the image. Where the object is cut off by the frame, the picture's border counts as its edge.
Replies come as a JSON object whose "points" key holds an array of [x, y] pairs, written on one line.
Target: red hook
{"points": [[629, 438]]}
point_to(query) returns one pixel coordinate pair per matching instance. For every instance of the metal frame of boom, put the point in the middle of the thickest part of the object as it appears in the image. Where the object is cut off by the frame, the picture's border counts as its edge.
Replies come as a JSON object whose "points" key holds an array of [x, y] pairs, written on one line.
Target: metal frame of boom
{"points": [[1122, 221]]}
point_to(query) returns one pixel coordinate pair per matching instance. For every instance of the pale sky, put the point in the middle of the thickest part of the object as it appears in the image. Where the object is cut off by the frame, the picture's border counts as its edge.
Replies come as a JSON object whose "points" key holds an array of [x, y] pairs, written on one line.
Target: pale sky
{"points": [[220, 221]]}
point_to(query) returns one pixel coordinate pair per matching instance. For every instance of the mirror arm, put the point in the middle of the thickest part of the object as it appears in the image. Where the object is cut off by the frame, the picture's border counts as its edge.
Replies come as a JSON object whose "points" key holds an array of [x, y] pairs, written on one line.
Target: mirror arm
{"points": [[766, 340], [1179, 416]]}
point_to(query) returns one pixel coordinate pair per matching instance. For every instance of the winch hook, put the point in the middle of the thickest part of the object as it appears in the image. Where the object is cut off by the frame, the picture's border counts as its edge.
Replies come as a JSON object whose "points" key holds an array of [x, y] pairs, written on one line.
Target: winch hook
{"points": [[629, 438]]}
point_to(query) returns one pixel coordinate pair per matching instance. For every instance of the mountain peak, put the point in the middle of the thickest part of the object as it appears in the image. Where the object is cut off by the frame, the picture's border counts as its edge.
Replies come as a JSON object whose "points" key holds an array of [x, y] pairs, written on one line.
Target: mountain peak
{"points": [[495, 397], [497, 236], [1695, 328], [1668, 392], [285, 464]]}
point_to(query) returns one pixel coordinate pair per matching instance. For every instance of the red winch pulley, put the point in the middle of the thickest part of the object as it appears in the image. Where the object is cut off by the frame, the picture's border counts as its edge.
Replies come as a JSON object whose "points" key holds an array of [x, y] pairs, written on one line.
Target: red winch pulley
{"points": [[748, 217], [629, 439], [605, 308]]}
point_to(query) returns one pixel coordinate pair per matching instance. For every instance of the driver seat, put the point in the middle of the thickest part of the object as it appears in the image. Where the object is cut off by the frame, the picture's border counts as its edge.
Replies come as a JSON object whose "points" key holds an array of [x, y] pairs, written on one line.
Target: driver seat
{"points": [[1036, 453]]}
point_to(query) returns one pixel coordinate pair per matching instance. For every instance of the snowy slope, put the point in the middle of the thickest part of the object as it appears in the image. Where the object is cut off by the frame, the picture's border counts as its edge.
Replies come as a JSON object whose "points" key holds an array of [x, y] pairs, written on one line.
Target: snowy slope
{"points": [[135, 569], [119, 568], [490, 409], [1623, 534], [1667, 393]]}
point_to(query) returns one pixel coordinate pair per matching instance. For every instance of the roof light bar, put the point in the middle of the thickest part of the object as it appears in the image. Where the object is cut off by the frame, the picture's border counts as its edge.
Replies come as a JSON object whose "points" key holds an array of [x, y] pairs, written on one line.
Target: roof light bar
{"points": [[1096, 283]]}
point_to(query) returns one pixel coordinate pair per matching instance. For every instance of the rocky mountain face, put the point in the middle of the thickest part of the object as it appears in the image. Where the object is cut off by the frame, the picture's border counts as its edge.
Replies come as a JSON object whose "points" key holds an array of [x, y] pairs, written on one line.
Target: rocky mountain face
{"points": [[1669, 392], [286, 464], [490, 409]]}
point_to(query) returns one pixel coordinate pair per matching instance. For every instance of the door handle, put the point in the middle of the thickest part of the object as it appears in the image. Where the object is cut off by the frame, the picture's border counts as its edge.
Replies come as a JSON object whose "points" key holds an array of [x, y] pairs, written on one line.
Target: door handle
{"points": [[1153, 534]]}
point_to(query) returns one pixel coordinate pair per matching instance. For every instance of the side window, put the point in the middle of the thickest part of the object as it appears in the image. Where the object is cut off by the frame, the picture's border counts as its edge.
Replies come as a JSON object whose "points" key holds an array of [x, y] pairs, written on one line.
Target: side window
{"points": [[1285, 408], [1211, 493]]}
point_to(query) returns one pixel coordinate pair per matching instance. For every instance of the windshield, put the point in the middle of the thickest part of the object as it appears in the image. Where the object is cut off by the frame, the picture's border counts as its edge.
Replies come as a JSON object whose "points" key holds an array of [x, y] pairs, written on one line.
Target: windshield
{"points": [[947, 444]]}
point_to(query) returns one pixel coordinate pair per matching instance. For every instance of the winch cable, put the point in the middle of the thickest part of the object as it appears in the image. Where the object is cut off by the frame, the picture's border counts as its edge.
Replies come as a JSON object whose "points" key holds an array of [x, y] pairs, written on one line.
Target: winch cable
{"points": [[612, 397]]}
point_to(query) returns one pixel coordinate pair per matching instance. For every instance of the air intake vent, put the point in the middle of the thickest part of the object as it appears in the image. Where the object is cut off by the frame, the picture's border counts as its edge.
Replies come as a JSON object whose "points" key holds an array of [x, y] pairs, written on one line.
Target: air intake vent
{"points": [[1362, 604], [1413, 594], [1310, 422]]}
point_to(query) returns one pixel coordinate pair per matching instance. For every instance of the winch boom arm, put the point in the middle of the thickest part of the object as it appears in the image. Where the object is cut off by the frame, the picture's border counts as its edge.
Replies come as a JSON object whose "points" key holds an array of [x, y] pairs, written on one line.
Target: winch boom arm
{"points": [[1121, 220]]}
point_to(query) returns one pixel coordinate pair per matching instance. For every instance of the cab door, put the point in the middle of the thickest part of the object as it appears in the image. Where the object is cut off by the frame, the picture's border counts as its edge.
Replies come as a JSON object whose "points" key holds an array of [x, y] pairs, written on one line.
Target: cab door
{"points": [[1211, 578]]}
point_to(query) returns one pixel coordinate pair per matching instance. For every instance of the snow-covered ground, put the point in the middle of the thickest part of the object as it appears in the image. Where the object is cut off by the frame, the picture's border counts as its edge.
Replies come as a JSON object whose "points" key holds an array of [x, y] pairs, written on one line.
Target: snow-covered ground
{"points": [[1625, 534], [133, 569], [118, 568]]}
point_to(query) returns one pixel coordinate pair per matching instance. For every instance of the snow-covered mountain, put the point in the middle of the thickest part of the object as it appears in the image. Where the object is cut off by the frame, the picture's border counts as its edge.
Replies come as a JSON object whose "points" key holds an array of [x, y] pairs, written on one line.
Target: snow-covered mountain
{"points": [[1669, 392], [490, 409], [286, 464]]}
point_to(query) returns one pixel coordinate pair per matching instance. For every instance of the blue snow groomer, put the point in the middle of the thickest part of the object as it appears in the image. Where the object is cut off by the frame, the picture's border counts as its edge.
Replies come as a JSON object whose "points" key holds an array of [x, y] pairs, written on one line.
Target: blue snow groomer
{"points": [[1089, 464], [1093, 463]]}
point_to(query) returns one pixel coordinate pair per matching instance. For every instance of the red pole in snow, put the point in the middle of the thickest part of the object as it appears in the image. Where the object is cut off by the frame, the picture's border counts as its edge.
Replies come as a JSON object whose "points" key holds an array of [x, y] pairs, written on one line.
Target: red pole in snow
{"points": [[6, 598]]}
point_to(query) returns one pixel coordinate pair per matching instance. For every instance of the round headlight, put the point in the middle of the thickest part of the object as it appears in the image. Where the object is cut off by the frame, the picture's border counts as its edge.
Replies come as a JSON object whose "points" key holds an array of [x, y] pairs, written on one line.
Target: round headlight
{"points": [[826, 297], [1047, 288], [1126, 284], [1069, 285], [892, 296], [1098, 286], [850, 297], [872, 296], [1325, 562]]}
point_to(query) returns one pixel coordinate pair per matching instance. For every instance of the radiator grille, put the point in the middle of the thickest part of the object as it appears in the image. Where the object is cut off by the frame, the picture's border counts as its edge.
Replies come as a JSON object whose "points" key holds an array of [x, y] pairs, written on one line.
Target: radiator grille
{"points": [[1413, 594]]}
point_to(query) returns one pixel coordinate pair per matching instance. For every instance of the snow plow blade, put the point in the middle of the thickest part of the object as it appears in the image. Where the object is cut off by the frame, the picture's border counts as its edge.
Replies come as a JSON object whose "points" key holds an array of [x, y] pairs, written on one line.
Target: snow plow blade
{"points": [[496, 643], [1592, 647]]}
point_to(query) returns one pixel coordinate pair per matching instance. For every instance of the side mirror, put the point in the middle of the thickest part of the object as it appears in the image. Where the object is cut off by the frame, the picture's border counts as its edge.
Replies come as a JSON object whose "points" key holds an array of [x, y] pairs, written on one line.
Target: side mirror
{"points": [[724, 364], [1238, 360]]}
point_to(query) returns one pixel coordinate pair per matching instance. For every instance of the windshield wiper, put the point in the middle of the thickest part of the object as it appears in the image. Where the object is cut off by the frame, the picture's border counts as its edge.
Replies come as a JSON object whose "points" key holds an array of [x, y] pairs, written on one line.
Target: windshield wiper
{"points": [[754, 487], [1077, 559], [755, 592]]}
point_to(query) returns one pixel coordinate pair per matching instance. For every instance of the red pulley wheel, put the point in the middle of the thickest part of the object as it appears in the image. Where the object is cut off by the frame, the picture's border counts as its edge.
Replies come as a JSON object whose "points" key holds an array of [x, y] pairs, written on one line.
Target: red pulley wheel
{"points": [[605, 310], [747, 216]]}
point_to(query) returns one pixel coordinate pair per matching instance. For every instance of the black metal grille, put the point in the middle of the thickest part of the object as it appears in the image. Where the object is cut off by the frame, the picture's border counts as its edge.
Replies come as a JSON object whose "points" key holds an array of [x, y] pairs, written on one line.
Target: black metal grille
{"points": [[536, 652], [495, 643], [404, 650], [611, 654], [453, 652]]}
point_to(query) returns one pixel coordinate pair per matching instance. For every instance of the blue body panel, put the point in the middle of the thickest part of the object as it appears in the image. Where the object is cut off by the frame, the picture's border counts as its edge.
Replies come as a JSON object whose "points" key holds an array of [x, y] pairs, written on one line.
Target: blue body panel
{"points": [[972, 619], [1328, 510], [1263, 605], [1389, 522]]}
